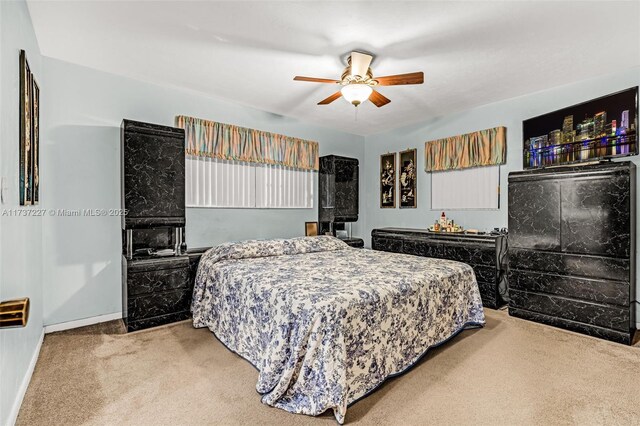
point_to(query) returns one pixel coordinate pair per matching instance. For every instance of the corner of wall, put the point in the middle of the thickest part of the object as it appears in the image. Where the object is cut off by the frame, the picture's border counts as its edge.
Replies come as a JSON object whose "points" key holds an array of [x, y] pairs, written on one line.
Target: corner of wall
{"points": [[20, 235]]}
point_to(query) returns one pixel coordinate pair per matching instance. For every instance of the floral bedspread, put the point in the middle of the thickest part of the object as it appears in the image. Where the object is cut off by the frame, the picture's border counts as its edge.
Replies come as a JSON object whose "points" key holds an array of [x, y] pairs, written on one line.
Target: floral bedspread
{"points": [[325, 323]]}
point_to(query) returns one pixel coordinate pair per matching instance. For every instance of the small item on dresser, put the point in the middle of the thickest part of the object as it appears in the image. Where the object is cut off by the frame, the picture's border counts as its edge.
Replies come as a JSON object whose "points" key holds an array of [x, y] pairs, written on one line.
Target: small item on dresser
{"points": [[143, 252], [443, 220], [445, 225], [164, 252]]}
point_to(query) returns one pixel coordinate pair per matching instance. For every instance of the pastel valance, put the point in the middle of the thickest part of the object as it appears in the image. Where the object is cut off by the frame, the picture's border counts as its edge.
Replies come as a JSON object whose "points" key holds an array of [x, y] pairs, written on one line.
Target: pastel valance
{"points": [[482, 148], [228, 142]]}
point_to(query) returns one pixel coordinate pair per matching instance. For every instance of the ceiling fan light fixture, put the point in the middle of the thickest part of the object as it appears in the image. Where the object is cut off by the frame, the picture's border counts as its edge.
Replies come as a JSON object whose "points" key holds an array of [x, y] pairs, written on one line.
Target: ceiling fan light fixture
{"points": [[356, 93]]}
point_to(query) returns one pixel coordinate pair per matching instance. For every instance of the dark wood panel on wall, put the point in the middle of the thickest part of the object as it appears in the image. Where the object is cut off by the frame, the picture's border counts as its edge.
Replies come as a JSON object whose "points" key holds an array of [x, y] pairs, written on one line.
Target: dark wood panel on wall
{"points": [[579, 273]]}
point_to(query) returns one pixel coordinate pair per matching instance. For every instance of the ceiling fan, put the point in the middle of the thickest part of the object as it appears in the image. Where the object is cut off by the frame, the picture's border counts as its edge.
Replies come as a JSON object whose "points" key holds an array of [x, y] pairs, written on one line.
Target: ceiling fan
{"points": [[357, 82]]}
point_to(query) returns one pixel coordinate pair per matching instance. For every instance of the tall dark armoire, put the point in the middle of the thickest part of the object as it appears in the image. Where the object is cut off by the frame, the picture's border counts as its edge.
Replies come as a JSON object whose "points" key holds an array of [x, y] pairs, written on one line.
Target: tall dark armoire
{"points": [[156, 283], [338, 182], [572, 248]]}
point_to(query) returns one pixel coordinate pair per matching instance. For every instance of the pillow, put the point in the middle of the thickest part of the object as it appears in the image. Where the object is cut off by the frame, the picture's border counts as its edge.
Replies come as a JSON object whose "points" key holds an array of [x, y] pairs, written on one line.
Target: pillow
{"points": [[275, 247]]}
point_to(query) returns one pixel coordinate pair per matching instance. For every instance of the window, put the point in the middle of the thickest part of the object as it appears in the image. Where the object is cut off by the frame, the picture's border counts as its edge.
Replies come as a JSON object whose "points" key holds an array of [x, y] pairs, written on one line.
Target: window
{"points": [[233, 184], [474, 188]]}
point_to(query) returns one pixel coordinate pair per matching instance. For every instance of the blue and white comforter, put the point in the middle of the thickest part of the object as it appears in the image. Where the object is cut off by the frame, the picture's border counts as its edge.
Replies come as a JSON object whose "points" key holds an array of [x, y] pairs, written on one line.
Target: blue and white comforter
{"points": [[325, 323]]}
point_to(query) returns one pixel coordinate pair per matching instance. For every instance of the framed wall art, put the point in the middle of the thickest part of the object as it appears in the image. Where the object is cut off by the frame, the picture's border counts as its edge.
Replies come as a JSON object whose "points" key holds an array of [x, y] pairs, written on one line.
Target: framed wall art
{"points": [[408, 179], [29, 134], [388, 181]]}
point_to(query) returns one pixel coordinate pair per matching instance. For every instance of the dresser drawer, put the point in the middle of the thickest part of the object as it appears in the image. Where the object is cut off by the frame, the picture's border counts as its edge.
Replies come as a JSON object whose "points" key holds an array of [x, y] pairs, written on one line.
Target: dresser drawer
{"points": [[488, 294], [485, 273], [387, 244], [156, 321], [593, 290], [159, 280], [421, 248], [155, 304], [624, 336], [571, 264], [472, 254], [612, 317]]}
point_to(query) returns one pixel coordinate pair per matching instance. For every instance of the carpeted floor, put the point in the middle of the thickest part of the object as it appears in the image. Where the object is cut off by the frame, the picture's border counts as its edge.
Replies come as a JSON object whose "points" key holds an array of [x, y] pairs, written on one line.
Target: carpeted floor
{"points": [[510, 372]]}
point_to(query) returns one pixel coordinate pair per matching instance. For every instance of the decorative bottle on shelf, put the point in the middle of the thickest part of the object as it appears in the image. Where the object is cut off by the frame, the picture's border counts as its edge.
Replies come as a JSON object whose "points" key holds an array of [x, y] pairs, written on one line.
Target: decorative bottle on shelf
{"points": [[443, 220]]}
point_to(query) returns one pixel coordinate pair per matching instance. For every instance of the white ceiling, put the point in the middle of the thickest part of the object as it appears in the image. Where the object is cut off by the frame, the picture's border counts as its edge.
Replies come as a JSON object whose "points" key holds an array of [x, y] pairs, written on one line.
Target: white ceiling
{"points": [[472, 53]]}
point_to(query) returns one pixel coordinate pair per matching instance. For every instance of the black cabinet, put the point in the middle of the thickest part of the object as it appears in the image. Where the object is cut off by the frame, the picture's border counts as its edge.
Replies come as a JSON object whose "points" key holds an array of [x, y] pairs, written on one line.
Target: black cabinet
{"points": [[153, 175], [538, 215], [156, 289], [338, 194], [485, 254], [194, 260], [572, 248], [595, 209], [354, 242]]}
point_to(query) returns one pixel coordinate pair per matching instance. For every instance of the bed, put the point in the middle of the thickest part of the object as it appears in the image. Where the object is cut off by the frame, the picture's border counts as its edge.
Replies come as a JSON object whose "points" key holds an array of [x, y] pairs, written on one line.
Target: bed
{"points": [[325, 324]]}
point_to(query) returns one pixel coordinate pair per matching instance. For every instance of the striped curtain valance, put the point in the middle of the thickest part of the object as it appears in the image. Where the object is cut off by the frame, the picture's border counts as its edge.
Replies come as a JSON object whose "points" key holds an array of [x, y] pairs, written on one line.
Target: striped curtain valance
{"points": [[482, 148], [228, 142]]}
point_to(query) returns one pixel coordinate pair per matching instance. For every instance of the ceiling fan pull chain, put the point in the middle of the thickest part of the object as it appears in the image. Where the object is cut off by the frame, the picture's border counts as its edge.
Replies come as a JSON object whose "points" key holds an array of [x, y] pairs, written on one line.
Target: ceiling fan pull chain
{"points": [[356, 108]]}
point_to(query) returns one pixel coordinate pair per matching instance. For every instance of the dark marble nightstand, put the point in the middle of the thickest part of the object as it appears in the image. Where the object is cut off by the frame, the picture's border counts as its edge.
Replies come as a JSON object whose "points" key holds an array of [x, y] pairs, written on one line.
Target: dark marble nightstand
{"points": [[354, 242], [156, 291]]}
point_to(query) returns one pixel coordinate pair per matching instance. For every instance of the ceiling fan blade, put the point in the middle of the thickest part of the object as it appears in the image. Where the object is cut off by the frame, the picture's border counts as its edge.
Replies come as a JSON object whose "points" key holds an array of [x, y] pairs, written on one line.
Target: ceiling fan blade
{"points": [[360, 63], [314, 80], [330, 99], [396, 80], [378, 99]]}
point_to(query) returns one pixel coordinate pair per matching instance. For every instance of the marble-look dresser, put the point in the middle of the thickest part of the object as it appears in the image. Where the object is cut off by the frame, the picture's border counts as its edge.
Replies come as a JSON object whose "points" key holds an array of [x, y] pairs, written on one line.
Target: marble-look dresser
{"points": [[572, 248], [338, 192], [354, 242], [158, 291], [155, 290], [485, 253]]}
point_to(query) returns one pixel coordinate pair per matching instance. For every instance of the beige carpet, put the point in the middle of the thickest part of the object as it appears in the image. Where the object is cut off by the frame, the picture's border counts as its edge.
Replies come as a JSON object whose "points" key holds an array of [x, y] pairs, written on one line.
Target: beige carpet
{"points": [[510, 372]]}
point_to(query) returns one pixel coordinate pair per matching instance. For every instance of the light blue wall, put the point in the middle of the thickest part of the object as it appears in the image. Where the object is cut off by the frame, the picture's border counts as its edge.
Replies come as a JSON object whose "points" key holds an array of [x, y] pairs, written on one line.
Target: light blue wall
{"points": [[20, 237], [81, 151], [73, 263], [81, 163], [509, 113]]}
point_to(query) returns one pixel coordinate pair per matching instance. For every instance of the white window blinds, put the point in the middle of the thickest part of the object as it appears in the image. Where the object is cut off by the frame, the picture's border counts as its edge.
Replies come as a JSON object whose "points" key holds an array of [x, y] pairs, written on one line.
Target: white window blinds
{"points": [[232, 184], [475, 188]]}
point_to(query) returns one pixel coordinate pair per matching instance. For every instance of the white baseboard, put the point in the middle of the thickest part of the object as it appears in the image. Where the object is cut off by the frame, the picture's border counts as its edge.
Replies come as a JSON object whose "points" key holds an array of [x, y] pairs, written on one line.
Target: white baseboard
{"points": [[81, 322], [17, 403]]}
